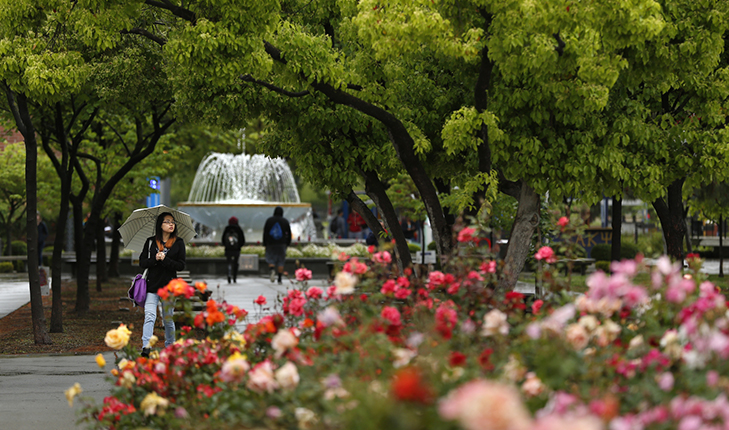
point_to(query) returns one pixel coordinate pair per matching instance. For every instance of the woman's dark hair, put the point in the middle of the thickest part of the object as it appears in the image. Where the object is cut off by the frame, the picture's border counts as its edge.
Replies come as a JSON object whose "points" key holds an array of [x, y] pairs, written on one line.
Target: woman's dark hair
{"points": [[278, 211], [158, 226]]}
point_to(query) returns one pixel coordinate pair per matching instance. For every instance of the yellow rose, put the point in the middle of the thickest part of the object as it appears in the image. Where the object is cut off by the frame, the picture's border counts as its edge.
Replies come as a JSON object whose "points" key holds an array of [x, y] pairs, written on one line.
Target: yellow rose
{"points": [[153, 341], [128, 380], [100, 361], [154, 404], [72, 392], [117, 338]]}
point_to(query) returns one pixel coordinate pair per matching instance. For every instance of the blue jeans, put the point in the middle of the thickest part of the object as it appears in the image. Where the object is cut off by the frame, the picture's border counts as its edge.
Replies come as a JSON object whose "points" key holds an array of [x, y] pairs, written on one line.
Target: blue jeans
{"points": [[150, 316]]}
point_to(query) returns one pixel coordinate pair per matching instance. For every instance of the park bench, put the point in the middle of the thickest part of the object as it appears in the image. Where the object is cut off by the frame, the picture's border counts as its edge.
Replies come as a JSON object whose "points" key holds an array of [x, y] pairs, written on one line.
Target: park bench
{"points": [[579, 265]]}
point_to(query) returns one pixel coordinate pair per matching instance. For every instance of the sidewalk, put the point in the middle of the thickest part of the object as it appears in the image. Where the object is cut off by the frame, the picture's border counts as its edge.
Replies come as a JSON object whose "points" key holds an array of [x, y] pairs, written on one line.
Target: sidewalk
{"points": [[32, 386]]}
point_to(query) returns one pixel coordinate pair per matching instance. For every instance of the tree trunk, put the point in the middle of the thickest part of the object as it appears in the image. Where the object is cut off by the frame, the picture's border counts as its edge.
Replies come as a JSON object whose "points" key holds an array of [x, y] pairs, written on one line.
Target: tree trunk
{"points": [[101, 273], [376, 190], [24, 124], [670, 212], [525, 223], [57, 266], [115, 242], [617, 225], [481, 102], [689, 246], [82, 287], [721, 246]]}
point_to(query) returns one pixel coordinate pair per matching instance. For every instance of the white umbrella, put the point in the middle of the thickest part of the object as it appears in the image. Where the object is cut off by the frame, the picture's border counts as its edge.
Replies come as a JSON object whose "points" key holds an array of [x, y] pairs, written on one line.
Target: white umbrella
{"points": [[141, 224]]}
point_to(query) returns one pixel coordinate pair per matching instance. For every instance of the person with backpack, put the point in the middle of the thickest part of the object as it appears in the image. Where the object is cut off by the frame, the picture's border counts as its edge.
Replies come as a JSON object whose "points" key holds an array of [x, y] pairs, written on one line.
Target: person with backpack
{"points": [[276, 238], [233, 241], [338, 226]]}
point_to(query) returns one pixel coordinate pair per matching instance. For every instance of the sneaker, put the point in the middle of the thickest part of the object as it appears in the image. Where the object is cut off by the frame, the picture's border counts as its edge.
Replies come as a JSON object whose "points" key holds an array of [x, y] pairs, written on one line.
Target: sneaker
{"points": [[145, 352], [273, 275]]}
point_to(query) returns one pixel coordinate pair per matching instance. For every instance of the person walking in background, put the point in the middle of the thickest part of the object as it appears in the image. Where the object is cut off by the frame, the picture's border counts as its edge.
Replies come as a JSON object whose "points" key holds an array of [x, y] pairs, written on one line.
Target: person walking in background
{"points": [[410, 229], [372, 238], [42, 235], [338, 226], [163, 255], [276, 238], [357, 225], [233, 241]]}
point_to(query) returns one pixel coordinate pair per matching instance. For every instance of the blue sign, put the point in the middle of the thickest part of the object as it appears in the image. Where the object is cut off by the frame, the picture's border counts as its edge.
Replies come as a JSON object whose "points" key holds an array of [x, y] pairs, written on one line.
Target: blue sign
{"points": [[153, 200]]}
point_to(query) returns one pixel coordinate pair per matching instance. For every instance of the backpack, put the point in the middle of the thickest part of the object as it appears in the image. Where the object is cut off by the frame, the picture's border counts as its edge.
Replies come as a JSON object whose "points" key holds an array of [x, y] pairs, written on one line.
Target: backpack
{"points": [[231, 239], [333, 225], [276, 232]]}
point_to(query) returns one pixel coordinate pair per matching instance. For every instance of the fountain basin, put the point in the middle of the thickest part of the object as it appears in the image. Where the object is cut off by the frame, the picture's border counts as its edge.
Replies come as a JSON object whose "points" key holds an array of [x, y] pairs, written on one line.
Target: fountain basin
{"points": [[251, 217]]}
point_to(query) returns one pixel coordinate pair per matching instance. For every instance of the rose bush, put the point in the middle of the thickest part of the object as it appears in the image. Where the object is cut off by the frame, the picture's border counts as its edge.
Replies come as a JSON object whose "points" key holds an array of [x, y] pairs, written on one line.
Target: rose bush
{"points": [[643, 348]]}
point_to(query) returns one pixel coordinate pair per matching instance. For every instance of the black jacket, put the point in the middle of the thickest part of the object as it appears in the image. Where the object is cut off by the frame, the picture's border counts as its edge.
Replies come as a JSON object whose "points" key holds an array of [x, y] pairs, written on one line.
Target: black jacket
{"points": [[162, 272], [285, 229], [233, 229]]}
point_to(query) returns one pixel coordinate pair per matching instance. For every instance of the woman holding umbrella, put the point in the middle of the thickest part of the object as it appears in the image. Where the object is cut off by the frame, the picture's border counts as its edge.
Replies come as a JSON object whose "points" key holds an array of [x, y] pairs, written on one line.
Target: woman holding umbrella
{"points": [[163, 255]]}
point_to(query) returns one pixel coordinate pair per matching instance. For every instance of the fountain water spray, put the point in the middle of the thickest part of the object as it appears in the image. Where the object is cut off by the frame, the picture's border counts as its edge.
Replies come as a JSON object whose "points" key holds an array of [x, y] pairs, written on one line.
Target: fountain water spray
{"points": [[248, 187]]}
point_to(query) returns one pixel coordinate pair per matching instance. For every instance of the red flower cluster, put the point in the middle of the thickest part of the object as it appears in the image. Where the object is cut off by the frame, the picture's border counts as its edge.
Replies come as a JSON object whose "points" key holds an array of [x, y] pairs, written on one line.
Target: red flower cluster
{"points": [[408, 385], [514, 300], [446, 318], [113, 410]]}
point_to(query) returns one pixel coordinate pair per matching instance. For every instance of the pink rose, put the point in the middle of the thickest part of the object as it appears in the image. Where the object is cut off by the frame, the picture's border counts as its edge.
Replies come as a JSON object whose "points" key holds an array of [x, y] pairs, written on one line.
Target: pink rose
{"points": [[392, 315], [303, 274], [546, 253], [383, 257], [261, 378], [466, 234], [314, 293], [260, 300], [402, 293], [488, 267], [563, 221]]}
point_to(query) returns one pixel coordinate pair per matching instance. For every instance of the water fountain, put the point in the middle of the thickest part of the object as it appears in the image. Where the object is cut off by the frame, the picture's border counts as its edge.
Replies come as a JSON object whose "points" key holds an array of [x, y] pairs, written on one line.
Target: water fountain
{"points": [[248, 187]]}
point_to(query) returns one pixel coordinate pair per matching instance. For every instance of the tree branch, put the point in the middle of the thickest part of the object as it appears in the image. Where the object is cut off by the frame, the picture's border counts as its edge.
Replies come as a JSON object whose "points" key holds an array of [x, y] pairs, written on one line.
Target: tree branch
{"points": [[177, 11], [249, 78], [560, 44], [149, 35]]}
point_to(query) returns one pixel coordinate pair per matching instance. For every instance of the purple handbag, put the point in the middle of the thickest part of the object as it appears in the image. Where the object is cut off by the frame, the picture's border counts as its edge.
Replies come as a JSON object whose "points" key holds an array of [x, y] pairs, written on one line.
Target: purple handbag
{"points": [[138, 291]]}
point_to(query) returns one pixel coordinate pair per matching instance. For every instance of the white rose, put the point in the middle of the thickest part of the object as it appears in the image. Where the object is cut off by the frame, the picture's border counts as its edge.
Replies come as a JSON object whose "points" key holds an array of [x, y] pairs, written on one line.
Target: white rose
{"points": [[533, 386], [287, 376], [577, 336], [402, 357], [345, 283], [589, 322], [494, 323], [283, 341], [636, 342], [305, 417]]}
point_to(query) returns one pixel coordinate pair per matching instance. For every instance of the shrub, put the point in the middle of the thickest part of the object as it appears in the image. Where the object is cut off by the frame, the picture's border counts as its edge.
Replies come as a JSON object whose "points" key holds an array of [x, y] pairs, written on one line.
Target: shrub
{"points": [[6, 267], [603, 251], [603, 265], [432, 246], [413, 247], [628, 251], [19, 247]]}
